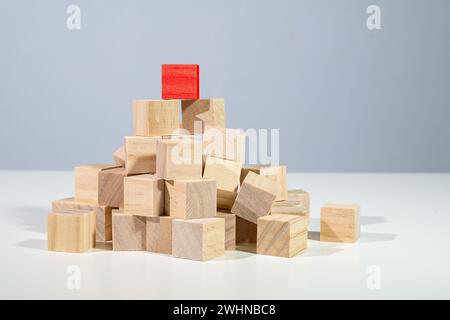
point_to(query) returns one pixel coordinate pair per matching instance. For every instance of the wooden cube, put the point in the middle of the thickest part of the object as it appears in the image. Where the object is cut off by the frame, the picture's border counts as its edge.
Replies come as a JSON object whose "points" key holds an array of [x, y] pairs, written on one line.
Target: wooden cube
{"points": [[246, 231], [159, 234], [103, 223], [191, 199], [144, 195], [225, 199], [230, 228], [156, 117], [119, 156], [86, 182], [282, 235], [71, 230], [140, 154], [255, 198], [179, 158], [110, 186], [339, 222], [290, 207], [198, 239], [197, 114], [277, 173], [300, 197], [129, 232], [180, 81], [224, 143], [225, 172]]}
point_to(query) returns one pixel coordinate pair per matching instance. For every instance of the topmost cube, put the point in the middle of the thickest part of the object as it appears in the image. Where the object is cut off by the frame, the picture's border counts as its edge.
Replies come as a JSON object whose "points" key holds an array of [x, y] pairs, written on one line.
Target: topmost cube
{"points": [[180, 81]]}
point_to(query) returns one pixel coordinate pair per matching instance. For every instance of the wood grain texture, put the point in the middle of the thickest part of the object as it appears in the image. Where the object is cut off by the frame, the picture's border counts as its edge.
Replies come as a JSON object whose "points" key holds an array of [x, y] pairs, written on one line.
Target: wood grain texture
{"points": [[156, 117], [197, 114], [246, 231], [301, 197], [198, 239], [179, 158], [140, 154], [129, 232], [277, 173], [103, 218], [71, 230], [159, 234], [230, 228], [110, 186], [226, 172], [144, 195], [224, 143], [282, 235], [290, 207], [180, 81], [119, 156], [191, 199], [86, 182], [225, 199], [255, 198], [339, 222]]}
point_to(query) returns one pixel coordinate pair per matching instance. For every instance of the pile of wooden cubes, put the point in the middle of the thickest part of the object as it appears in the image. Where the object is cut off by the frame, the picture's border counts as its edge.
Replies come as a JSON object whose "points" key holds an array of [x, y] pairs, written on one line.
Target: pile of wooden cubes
{"points": [[183, 189]]}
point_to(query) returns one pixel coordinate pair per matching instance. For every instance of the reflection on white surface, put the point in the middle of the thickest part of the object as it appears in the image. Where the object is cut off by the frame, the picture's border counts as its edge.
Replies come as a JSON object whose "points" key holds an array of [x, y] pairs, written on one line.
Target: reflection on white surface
{"points": [[402, 252]]}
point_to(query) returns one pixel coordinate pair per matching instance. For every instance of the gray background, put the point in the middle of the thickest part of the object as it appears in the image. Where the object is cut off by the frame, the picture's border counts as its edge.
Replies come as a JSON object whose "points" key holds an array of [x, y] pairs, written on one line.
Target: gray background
{"points": [[344, 98]]}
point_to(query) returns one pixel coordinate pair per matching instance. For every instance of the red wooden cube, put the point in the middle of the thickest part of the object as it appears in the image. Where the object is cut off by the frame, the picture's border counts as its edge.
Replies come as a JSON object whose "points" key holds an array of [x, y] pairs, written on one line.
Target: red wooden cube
{"points": [[180, 81]]}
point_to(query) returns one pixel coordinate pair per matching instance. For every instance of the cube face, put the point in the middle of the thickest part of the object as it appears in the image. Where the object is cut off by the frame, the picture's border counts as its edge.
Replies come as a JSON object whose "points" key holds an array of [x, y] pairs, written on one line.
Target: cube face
{"points": [[140, 154], [225, 199], [71, 230], [199, 114], [300, 197], [276, 173], [246, 231], [129, 232], [159, 234], [255, 198], [281, 235], [339, 222], [230, 228], [156, 117], [179, 158], [199, 239], [290, 207], [224, 143], [103, 218], [144, 195], [191, 199], [180, 81], [110, 185], [86, 182], [225, 172]]}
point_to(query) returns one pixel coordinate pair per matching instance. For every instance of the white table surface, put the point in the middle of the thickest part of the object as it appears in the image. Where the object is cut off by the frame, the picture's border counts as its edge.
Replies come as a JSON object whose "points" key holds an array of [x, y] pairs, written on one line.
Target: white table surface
{"points": [[403, 251]]}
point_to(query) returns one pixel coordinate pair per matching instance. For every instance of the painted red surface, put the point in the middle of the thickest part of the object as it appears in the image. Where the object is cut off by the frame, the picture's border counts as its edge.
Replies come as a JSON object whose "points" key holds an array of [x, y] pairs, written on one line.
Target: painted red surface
{"points": [[180, 81]]}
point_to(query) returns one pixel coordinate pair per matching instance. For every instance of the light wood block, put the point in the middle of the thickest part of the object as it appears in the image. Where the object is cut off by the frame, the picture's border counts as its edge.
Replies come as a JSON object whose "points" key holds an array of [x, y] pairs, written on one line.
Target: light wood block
{"points": [[159, 234], [198, 239], [282, 235], [191, 199], [199, 113], [86, 182], [144, 195], [230, 228], [290, 207], [71, 230], [140, 154], [129, 232], [224, 143], [246, 231], [179, 158], [339, 222], [225, 199], [255, 198], [103, 223], [301, 197], [119, 156], [277, 173], [110, 186], [226, 172], [156, 117]]}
